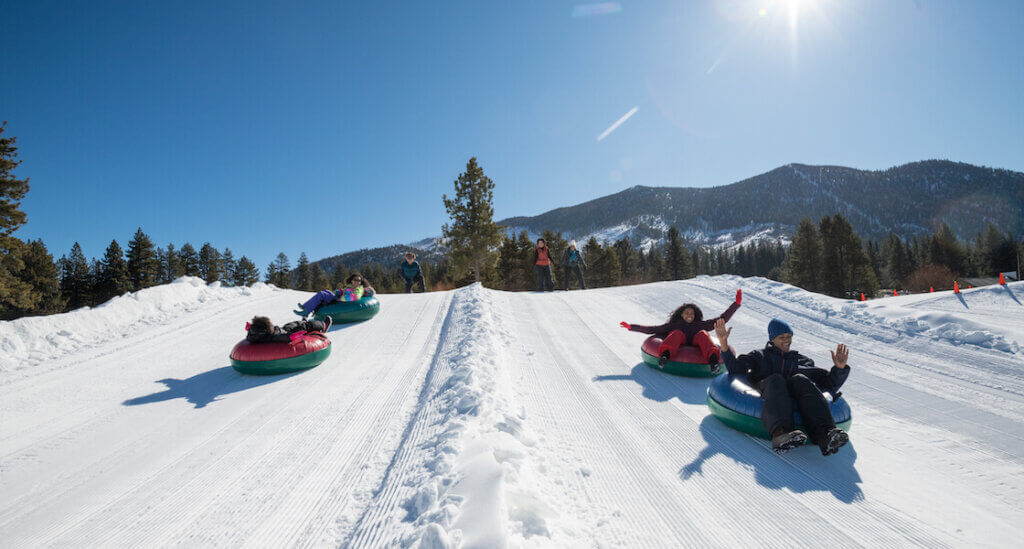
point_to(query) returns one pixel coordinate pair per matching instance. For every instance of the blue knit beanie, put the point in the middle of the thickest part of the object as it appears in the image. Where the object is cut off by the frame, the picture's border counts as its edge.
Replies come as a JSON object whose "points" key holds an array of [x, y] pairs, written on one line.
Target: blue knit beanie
{"points": [[778, 327]]}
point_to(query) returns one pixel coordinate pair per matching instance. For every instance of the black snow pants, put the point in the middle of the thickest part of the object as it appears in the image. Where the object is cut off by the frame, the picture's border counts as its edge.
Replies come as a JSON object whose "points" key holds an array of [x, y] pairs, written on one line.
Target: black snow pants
{"points": [[544, 281], [780, 394], [577, 271], [418, 280]]}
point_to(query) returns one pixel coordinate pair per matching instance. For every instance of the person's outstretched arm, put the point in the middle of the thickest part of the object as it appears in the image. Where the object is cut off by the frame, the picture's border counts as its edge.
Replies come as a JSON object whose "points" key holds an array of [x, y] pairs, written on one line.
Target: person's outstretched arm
{"points": [[710, 324], [655, 330]]}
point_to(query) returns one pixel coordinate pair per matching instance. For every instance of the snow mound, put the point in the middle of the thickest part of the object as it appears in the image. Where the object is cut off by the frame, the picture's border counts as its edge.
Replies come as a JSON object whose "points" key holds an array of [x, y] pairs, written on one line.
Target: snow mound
{"points": [[28, 342]]}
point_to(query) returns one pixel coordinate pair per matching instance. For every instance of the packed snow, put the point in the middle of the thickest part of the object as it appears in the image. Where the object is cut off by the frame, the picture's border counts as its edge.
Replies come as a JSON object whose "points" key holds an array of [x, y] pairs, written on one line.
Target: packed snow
{"points": [[479, 418]]}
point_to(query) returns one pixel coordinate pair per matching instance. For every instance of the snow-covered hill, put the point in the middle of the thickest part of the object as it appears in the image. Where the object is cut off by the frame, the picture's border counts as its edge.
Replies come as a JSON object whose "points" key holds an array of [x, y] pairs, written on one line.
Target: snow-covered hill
{"points": [[485, 418]]}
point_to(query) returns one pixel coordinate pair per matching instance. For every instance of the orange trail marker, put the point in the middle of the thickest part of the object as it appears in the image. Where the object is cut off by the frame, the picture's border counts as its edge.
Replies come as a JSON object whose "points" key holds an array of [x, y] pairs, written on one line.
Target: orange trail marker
{"points": [[862, 296], [931, 289], [894, 294], [1001, 279], [956, 287]]}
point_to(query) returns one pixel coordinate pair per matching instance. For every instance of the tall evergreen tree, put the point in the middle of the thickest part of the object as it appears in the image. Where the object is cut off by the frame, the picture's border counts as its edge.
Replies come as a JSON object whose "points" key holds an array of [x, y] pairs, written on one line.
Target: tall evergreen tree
{"points": [[318, 277], [245, 273], [113, 279], [805, 257], [15, 293], [628, 261], [209, 263], [677, 258], [944, 249], [655, 266], [190, 260], [846, 268], [509, 263], [40, 274], [171, 268], [228, 265], [76, 280], [143, 267], [896, 261], [472, 235], [280, 271], [303, 278]]}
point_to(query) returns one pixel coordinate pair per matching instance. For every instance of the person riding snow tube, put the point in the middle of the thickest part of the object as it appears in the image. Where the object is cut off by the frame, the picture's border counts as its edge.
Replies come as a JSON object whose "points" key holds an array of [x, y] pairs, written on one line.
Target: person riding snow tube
{"points": [[309, 350], [737, 404], [687, 361], [342, 312]]}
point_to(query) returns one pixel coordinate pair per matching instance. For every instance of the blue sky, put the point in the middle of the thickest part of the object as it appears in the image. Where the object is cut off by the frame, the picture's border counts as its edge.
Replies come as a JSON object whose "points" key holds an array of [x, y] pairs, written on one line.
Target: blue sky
{"points": [[329, 126]]}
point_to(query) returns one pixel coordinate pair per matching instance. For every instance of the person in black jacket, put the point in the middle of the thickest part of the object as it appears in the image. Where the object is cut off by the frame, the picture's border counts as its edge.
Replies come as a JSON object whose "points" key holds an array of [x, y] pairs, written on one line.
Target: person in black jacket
{"points": [[783, 376], [262, 330]]}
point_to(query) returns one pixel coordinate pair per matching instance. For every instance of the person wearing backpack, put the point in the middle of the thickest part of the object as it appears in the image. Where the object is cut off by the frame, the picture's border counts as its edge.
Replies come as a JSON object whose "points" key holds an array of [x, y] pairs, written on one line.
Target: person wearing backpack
{"points": [[573, 263]]}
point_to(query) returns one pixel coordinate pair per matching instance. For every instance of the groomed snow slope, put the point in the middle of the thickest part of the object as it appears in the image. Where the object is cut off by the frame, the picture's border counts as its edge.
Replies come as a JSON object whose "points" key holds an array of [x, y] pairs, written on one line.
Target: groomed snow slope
{"points": [[486, 418]]}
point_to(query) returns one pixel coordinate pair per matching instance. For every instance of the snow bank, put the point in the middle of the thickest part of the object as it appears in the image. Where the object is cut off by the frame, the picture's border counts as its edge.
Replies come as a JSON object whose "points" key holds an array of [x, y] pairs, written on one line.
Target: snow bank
{"points": [[947, 322], [28, 342]]}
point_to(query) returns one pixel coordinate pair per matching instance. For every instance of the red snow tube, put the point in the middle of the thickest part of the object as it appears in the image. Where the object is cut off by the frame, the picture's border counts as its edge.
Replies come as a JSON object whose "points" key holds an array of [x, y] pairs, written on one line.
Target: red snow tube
{"points": [[687, 361], [281, 358]]}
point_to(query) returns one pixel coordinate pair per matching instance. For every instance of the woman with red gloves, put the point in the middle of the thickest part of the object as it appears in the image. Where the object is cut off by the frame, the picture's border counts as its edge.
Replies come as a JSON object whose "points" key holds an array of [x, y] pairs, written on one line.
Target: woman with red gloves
{"points": [[686, 326]]}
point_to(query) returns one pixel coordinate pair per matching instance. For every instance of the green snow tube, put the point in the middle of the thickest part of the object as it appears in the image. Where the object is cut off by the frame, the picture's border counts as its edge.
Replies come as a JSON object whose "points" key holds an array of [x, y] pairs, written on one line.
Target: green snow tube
{"points": [[738, 405], [281, 358], [343, 312], [686, 362]]}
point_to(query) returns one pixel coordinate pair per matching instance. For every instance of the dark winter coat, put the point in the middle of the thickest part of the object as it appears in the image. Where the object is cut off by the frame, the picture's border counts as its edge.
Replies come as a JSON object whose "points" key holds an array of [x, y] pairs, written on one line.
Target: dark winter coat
{"points": [[688, 328], [282, 334], [411, 271], [771, 360], [567, 259]]}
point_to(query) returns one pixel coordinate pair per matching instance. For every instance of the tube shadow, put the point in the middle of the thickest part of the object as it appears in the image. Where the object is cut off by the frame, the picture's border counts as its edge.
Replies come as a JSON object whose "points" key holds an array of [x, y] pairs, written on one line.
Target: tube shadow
{"points": [[962, 301], [662, 387], [800, 470], [202, 389]]}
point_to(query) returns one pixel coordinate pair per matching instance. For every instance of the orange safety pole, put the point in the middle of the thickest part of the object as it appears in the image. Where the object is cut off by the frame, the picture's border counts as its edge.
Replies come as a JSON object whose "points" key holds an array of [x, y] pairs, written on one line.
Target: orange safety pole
{"points": [[956, 287]]}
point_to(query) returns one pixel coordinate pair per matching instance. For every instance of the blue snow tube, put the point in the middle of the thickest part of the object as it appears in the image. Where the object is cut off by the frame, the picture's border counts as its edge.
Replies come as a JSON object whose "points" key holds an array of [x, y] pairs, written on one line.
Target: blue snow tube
{"points": [[735, 402]]}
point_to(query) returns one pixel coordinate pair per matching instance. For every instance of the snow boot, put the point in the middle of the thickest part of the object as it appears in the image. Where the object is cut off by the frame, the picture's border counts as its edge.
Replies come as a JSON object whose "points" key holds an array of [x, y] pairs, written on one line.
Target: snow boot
{"points": [[713, 362], [663, 359], [327, 323], [833, 440], [785, 441], [300, 312]]}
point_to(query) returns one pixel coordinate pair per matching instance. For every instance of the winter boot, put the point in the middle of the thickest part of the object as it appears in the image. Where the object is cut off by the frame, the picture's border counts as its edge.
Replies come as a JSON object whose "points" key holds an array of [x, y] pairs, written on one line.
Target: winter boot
{"points": [[785, 441], [832, 441], [327, 323], [713, 362], [663, 359]]}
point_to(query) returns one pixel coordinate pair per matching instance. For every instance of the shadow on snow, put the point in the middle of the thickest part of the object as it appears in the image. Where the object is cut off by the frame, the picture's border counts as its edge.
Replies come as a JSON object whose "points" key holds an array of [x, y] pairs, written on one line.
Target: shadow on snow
{"points": [[202, 389]]}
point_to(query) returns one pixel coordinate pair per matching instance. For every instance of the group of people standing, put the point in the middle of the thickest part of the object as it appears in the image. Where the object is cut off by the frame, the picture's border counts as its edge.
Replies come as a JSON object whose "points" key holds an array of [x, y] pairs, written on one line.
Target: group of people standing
{"points": [[572, 264]]}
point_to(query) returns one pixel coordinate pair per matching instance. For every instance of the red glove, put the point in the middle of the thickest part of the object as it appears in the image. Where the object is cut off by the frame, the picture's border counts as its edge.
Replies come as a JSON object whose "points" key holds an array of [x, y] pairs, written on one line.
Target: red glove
{"points": [[739, 296], [625, 325]]}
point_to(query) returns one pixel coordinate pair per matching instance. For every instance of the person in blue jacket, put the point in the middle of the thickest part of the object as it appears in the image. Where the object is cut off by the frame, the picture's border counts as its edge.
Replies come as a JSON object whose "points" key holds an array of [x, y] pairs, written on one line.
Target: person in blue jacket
{"points": [[412, 273], [573, 263], [785, 377]]}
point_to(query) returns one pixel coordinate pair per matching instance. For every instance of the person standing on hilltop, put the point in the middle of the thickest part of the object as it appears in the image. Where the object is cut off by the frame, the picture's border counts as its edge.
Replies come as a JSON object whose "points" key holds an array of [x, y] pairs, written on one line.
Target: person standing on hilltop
{"points": [[412, 273], [542, 266], [573, 263]]}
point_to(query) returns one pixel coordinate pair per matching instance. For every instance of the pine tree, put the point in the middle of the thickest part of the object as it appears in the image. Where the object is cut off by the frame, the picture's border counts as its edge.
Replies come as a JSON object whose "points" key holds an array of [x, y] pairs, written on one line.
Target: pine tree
{"points": [[629, 264], [655, 266], [846, 269], [944, 249], [592, 252], [76, 287], [15, 293], [113, 279], [805, 257], [318, 277], [143, 267], [896, 261], [41, 275], [171, 268], [527, 275], [279, 272], [303, 279], [472, 236], [189, 258], [677, 259], [228, 265], [245, 273], [509, 263], [209, 263]]}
